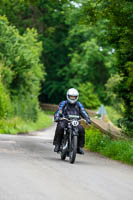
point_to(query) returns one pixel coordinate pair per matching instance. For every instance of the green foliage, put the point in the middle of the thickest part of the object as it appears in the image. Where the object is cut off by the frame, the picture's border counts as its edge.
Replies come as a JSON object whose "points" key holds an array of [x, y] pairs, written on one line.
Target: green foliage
{"points": [[126, 123], [17, 125], [113, 114], [49, 112], [112, 96], [5, 103], [119, 33], [111, 87], [22, 71], [6, 74], [17, 12], [126, 92], [71, 49], [94, 140], [116, 149], [26, 107], [84, 42], [88, 96], [119, 150], [89, 55]]}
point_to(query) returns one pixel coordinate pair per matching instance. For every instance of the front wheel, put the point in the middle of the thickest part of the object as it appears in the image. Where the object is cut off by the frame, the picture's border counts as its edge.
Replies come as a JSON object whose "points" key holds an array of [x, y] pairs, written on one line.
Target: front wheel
{"points": [[64, 150], [73, 149]]}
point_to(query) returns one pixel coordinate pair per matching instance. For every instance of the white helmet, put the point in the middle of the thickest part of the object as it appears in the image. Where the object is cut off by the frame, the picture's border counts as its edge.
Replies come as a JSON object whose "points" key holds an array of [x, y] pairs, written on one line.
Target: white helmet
{"points": [[72, 95]]}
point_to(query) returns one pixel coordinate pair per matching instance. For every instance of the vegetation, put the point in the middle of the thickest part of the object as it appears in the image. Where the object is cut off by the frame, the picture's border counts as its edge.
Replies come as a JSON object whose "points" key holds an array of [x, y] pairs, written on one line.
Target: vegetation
{"points": [[113, 114], [20, 76], [88, 96], [115, 149], [21, 71], [16, 125], [86, 44], [73, 52], [119, 33]]}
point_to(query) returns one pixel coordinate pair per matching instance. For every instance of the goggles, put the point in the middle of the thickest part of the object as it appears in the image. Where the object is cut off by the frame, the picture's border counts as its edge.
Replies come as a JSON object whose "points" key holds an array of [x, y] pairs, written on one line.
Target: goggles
{"points": [[72, 97]]}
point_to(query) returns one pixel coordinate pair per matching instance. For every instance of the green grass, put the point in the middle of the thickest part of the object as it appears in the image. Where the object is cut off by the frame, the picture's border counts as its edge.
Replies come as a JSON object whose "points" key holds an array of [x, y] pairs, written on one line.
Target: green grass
{"points": [[17, 125], [49, 112], [115, 149], [113, 115]]}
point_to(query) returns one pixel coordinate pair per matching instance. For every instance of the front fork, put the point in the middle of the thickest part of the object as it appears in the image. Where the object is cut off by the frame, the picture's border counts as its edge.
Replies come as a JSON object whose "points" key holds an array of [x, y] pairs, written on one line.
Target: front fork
{"points": [[73, 132]]}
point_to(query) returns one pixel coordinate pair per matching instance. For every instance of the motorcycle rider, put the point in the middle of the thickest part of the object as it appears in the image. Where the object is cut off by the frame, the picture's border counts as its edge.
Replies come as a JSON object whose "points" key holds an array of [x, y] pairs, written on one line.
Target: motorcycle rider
{"points": [[70, 107]]}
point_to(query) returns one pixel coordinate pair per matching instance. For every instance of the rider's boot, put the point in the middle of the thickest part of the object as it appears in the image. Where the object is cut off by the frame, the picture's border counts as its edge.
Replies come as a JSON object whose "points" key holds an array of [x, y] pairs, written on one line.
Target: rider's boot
{"points": [[57, 148], [80, 150]]}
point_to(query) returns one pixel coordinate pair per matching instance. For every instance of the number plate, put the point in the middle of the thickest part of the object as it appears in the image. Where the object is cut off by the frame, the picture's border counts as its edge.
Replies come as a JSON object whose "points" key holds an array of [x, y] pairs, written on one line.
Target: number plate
{"points": [[75, 123]]}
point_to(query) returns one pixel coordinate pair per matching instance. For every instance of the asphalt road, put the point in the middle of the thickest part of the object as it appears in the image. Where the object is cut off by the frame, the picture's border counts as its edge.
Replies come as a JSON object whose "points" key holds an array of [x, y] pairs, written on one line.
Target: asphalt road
{"points": [[30, 170]]}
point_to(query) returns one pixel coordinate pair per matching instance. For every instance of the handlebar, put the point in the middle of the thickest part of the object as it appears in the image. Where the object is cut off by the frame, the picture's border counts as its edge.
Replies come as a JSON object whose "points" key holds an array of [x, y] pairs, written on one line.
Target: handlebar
{"points": [[71, 120], [63, 118]]}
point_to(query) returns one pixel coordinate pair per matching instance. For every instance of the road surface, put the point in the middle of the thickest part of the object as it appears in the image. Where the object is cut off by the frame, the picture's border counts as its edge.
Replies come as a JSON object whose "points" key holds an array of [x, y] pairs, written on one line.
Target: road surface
{"points": [[30, 170]]}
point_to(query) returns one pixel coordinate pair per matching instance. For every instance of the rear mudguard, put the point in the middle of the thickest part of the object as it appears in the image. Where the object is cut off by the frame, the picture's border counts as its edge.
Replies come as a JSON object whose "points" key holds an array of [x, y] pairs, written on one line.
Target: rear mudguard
{"points": [[65, 148]]}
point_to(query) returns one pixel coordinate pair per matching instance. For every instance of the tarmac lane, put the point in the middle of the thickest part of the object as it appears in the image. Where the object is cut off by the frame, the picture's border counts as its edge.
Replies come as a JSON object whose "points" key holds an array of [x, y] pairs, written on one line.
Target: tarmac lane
{"points": [[30, 170]]}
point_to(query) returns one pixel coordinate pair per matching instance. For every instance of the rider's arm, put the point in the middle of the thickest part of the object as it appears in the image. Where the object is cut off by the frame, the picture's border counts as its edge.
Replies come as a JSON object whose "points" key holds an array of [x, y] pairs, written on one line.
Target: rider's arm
{"points": [[59, 110], [83, 112]]}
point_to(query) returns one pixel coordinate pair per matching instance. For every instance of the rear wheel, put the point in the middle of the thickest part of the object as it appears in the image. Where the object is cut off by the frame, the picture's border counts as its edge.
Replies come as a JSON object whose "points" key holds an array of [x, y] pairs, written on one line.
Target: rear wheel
{"points": [[73, 149]]}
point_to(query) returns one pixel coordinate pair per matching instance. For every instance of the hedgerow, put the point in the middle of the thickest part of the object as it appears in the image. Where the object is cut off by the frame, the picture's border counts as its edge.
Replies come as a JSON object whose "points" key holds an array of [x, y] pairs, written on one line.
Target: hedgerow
{"points": [[115, 149]]}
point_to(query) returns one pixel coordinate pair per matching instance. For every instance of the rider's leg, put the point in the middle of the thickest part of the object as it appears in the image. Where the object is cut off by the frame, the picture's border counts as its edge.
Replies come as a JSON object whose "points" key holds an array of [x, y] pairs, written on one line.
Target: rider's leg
{"points": [[58, 135], [81, 139]]}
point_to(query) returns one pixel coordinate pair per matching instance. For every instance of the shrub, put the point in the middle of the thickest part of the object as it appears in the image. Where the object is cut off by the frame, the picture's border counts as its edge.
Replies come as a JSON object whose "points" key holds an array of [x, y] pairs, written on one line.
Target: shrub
{"points": [[17, 125], [5, 103], [111, 88], [27, 108], [113, 114], [116, 149], [119, 150], [95, 140], [126, 123], [22, 71]]}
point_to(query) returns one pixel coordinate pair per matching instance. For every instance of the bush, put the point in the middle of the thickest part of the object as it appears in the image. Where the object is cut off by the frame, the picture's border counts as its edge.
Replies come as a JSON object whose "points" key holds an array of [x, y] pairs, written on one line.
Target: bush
{"points": [[111, 88], [116, 149], [17, 125], [119, 150], [27, 108], [22, 71], [5, 103], [95, 140], [113, 114], [126, 123]]}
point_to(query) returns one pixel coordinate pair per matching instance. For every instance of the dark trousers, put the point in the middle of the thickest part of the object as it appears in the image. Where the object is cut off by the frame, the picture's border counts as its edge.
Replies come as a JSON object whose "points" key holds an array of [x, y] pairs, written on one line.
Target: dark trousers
{"points": [[60, 130]]}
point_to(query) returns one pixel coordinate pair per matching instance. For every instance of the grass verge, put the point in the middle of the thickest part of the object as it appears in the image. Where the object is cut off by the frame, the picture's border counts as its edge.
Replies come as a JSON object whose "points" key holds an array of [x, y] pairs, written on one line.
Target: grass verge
{"points": [[17, 125], [49, 112], [115, 149]]}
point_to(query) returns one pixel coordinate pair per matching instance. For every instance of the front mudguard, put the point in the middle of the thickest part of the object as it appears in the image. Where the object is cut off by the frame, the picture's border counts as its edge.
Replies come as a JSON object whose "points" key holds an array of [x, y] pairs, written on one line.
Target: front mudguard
{"points": [[75, 132]]}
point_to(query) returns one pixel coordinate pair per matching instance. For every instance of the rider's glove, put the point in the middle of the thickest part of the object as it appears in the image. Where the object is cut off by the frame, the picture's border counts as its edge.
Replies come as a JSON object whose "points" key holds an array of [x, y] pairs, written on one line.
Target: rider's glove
{"points": [[88, 121], [56, 119]]}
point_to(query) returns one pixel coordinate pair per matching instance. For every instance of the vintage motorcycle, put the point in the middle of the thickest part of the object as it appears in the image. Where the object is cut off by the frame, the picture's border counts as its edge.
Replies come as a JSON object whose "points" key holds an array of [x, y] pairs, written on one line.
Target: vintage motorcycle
{"points": [[70, 138]]}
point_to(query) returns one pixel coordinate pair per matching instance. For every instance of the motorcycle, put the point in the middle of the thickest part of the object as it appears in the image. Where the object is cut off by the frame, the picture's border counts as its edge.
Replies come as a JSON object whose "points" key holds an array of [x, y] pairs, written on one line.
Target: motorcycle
{"points": [[69, 142]]}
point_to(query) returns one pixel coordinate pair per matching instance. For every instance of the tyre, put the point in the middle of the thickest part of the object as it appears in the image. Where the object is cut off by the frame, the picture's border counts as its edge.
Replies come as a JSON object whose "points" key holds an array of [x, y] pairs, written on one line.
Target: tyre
{"points": [[64, 150], [63, 155], [73, 149]]}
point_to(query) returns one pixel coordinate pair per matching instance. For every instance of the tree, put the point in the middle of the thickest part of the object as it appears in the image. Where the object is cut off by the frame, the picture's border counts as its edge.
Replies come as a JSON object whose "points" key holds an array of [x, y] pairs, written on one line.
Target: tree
{"points": [[21, 70], [72, 51], [119, 14], [112, 96], [87, 96]]}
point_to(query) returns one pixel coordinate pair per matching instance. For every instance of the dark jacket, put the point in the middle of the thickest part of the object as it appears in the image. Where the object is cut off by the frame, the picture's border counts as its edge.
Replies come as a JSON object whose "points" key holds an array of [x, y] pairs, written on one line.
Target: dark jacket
{"points": [[65, 109]]}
